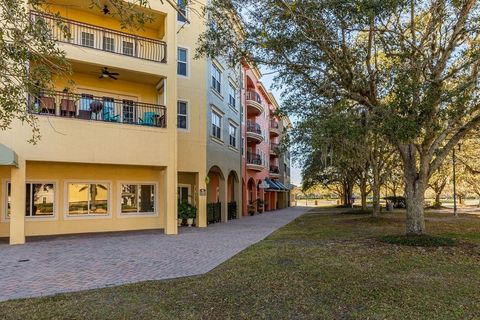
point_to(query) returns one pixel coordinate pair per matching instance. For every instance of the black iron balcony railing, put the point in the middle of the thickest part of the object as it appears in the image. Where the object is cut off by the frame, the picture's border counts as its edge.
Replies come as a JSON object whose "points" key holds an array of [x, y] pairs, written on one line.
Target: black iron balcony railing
{"points": [[274, 169], [254, 127], [89, 107], [104, 39], [254, 158], [274, 146], [254, 96]]}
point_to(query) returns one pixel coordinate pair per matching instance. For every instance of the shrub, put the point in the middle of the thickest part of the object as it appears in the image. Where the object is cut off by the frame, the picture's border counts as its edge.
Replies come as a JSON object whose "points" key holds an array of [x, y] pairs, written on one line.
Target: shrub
{"points": [[419, 240]]}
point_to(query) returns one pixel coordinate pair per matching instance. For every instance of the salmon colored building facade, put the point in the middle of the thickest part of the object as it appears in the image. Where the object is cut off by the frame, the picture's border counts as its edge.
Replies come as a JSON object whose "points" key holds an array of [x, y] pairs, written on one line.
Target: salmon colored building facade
{"points": [[262, 135]]}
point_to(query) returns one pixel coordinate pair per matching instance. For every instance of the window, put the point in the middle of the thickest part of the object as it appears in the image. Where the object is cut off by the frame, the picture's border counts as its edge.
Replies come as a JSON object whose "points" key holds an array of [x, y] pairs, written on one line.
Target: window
{"points": [[182, 62], [216, 79], [88, 198], [243, 146], [233, 135], [183, 193], [40, 199], [128, 48], [138, 198], [232, 94], [88, 39], [108, 44], [216, 125], [128, 111], [182, 115], [182, 7]]}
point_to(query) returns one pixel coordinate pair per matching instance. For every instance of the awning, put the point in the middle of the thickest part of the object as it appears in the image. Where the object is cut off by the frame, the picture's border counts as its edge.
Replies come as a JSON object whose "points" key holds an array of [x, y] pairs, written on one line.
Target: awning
{"points": [[281, 186], [275, 185], [7, 156], [272, 186]]}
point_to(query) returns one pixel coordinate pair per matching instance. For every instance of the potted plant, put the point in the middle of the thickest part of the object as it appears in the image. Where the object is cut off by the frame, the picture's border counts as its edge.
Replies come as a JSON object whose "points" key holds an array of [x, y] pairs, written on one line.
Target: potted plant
{"points": [[260, 205], [191, 214], [182, 212], [251, 208]]}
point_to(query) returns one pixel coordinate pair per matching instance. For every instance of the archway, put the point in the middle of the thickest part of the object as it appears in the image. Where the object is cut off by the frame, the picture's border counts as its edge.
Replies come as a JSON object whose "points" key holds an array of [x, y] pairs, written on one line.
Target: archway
{"points": [[233, 196], [215, 190]]}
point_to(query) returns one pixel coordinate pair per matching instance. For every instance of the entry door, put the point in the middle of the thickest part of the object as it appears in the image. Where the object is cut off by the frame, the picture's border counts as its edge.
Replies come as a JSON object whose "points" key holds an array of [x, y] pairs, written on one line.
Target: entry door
{"points": [[184, 193]]}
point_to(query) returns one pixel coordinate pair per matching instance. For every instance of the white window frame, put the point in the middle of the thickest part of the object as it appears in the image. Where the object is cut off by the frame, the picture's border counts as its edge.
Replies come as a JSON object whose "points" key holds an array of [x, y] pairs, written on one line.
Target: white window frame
{"points": [[187, 115], [6, 218], [232, 125], [189, 187], [232, 89], [185, 13], [187, 65], [220, 116], [68, 216], [219, 80], [121, 214]]}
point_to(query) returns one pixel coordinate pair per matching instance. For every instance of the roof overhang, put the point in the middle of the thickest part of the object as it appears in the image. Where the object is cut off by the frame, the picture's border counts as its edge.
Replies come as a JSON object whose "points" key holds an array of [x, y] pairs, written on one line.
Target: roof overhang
{"points": [[7, 156]]}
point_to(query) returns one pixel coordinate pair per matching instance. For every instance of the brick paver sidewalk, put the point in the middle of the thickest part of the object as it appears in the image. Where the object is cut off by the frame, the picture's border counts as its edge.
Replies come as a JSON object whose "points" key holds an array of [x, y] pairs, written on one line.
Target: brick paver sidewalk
{"points": [[73, 263]]}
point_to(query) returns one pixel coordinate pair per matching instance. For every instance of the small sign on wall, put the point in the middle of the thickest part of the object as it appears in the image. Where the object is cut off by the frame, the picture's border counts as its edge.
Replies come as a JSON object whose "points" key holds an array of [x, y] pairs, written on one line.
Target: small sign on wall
{"points": [[203, 192]]}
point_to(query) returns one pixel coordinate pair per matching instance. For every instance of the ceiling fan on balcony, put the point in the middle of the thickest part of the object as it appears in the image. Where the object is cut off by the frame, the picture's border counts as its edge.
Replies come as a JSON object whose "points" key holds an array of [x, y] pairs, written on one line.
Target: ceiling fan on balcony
{"points": [[107, 74]]}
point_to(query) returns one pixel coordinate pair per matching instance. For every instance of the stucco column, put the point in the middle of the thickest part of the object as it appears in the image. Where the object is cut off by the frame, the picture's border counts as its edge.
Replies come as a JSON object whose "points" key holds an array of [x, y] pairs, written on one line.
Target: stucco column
{"points": [[170, 196], [201, 200], [239, 198], [17, 203], [223, 194]]}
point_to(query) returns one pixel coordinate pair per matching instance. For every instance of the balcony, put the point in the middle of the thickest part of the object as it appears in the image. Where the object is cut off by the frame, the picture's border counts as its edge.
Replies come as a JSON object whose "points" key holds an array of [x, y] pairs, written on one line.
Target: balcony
{"points": [[254, 104], [274, 128], [254, 132], [274, 147], [90, 36], [254, 161], [274, 171], [89, 107]]}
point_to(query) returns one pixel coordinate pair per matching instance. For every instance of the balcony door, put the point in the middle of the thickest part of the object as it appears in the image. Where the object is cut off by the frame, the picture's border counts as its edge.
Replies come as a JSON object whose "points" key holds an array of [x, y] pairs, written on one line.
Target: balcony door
{"points": [[116, 107]]}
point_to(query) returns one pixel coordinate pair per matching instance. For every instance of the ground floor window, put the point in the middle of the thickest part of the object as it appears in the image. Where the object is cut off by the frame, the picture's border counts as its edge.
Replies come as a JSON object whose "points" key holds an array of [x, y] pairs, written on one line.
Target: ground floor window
{"points": [[88, 198], [40, 199], [138, 198]]}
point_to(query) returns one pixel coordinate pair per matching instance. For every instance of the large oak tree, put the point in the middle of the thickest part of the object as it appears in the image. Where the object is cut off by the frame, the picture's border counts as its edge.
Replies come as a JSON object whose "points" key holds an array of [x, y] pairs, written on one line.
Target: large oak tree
{"points": [[412, 64]]}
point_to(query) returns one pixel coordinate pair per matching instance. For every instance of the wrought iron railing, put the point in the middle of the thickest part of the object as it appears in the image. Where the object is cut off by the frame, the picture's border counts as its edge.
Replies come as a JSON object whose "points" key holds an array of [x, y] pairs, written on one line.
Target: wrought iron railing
{"points": [[89, 107], [274, 146], [274, 169], [214, 212], [254, 127], [104, 39], [254, 96], [232, 210], [274, 124], [254, 158]]}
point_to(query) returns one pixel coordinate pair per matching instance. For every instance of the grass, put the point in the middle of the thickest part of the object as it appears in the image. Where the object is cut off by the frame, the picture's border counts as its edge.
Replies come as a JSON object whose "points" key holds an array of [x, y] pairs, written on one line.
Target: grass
{"points": [[324, 265], [419, 240]]}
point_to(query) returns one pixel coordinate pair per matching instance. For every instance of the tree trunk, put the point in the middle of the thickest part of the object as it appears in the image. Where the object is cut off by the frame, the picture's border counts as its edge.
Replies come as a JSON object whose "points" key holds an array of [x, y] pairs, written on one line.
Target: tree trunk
{"points": [[437, 198], [415, 199], [363, 194], [376, 191]]}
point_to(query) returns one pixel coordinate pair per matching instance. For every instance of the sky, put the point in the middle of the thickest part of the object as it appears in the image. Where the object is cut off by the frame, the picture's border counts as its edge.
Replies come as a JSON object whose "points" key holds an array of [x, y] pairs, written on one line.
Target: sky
{"points": [[267, 80]]}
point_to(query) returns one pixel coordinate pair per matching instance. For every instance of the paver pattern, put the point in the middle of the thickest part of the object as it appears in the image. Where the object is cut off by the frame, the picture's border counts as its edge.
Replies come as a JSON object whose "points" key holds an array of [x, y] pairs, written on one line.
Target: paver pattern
{"points": [[73, 263]]}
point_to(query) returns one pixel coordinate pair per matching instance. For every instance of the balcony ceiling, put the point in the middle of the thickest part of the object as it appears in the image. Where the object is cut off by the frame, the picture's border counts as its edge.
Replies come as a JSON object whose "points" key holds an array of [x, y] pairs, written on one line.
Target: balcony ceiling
{"points": [[128, 75], [84, 5]]}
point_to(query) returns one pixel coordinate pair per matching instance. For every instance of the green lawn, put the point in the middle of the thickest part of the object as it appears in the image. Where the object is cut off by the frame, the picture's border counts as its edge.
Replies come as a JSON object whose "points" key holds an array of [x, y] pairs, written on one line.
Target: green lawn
{"points": [[324, 265]]}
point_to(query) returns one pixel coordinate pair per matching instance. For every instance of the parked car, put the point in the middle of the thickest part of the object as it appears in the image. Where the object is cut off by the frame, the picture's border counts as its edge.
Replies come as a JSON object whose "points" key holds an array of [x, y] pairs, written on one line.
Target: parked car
{"points": [[398, 202]]}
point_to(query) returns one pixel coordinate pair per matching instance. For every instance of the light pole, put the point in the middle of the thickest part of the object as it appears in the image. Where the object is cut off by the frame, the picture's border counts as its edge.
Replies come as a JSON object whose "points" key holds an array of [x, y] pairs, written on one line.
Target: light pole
{"points": [[454, 162]]}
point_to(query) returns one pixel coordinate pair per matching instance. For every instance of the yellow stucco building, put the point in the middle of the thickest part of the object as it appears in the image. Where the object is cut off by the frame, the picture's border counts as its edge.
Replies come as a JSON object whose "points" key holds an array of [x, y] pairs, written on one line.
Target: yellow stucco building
{"points": [[110, 156]]}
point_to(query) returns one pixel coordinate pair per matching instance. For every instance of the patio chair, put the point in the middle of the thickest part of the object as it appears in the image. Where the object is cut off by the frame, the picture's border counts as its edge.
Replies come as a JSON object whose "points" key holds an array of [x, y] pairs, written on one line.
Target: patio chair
{"points": [[148, 118], [109, 111], [67, 108], [47, 105]]}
